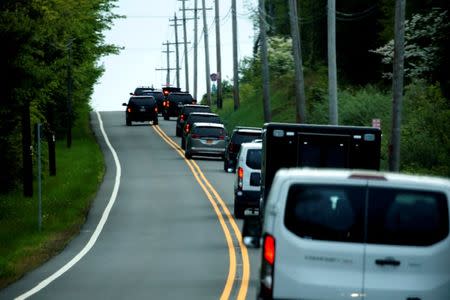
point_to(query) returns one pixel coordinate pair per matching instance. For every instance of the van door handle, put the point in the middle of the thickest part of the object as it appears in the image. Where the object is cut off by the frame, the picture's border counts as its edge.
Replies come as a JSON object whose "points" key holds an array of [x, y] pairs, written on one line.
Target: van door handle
{"points": [[388, 261]]}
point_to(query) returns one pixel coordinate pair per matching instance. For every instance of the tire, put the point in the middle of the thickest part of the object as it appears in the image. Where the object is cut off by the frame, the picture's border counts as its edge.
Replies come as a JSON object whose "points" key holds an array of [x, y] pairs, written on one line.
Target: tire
{"points": [[225, 165], [183, 143], [155, 121], [128, 122], [177, 131], [166, 116], [187, 154]]}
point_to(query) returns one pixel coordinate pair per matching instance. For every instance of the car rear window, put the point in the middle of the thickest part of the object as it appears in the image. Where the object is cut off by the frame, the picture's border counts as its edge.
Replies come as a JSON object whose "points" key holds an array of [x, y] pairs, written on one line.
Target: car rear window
{"points": [[209, 131], [254, 159], [394, 216], [188, 110], [143, 101], [407, 217], [185, 98], [158, 95], [206, 119], [239, 138], [326, 212]]}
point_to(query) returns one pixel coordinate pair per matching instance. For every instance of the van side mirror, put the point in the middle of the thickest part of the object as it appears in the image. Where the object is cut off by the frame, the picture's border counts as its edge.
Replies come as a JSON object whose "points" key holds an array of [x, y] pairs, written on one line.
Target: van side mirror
{"points": [[124, 104]]}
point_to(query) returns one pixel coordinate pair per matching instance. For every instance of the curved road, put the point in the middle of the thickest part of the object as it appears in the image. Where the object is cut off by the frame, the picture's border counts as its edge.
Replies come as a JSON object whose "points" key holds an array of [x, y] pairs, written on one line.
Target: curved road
{"points": [[168, 235]]}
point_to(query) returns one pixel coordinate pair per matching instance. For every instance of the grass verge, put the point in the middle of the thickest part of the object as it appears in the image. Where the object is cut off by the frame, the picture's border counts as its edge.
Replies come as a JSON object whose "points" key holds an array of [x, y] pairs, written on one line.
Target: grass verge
{"points": [[66, 199]]}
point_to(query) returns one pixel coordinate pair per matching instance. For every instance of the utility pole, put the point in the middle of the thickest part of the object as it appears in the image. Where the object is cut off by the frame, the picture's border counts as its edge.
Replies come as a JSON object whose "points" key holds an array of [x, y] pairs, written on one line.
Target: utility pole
{"points": [[264, 61], [168, 69], [332, 73], [397, 85], [297, 51], [205, 36], [235, 57], [196, 9], [218, 56], [175, 25], [186, 64]]}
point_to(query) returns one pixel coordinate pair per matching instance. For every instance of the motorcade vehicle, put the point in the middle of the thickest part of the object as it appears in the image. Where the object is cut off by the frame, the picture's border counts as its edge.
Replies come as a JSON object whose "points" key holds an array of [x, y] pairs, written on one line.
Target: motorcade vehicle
{"points": [[184, 114], [206, 139], [355, 234], [247, 182], [198, 117], [239, 135], [140, 90], [141, 109], [170, 89], [158, 95], [173, 103], [288, 145]]}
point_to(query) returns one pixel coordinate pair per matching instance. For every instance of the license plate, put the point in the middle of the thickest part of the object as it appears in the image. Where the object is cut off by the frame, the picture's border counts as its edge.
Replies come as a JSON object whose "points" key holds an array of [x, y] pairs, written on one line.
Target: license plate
{"points": [[142, 109], [209, 141]]}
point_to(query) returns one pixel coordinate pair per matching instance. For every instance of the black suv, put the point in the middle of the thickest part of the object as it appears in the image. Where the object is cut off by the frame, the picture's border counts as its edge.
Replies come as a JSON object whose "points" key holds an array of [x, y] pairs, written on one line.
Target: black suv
{"points": [[197, 117], [173, 103], [158, 95], [141, 90], [141, 109], [240, 135], [184, 114]]}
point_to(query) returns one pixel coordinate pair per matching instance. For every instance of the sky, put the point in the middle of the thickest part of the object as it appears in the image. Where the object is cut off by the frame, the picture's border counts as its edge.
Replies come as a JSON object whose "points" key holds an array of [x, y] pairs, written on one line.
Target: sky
{"points": [[142, 34]]}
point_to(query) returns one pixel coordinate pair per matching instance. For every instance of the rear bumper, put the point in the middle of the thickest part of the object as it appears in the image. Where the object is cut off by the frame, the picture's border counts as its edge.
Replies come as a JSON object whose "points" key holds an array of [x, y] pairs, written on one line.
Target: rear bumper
{"points": [[141, 117], [248, 199], [207, 151]]}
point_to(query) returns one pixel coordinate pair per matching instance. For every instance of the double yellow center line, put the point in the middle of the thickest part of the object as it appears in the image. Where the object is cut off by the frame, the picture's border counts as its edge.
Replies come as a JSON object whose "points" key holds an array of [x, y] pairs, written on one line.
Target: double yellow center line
{"points": [[222, 212]]}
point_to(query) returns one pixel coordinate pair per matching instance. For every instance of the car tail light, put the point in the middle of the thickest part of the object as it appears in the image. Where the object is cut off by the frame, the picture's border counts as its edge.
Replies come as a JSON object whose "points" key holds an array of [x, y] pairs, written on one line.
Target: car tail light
{"points": [[267, 267], [240, 173], [166, 93], [186, 128], [195, 136], [221, 137], [182, 117], [156, 109], [129, 109]]}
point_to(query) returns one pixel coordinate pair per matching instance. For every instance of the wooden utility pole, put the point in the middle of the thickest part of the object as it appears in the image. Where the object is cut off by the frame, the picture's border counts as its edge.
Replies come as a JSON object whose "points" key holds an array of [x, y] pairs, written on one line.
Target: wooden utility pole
{"points": [[69, 94], [235, 57], [205, 37], [168, 69], [298, 61], [218, 56], [264, 62], [397, 85], [27, 150], [195, 47], [332, 73], [175, 26], [186, 58]]}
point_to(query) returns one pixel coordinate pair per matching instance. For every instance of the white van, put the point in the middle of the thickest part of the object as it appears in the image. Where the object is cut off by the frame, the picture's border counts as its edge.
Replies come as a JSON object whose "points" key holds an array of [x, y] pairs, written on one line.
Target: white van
{"points": [[344, 234]]}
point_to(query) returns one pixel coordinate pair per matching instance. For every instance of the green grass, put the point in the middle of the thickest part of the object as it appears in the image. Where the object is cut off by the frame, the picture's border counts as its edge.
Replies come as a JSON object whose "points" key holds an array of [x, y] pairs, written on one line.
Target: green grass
{"points": [[66, 199]]}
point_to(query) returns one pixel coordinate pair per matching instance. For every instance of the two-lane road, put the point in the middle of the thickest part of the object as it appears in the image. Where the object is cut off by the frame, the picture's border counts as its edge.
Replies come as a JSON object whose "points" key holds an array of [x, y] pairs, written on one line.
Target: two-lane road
{"points": [[168, 234]]}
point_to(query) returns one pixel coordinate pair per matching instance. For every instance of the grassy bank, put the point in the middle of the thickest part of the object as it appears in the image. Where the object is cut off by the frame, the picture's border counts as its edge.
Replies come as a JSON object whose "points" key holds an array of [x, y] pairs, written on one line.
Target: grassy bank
{"points": [[66, 199]]}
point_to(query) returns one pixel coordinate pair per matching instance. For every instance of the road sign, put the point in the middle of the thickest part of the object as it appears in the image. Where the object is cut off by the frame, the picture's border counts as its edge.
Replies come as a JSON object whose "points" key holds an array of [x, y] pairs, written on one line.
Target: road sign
{"points": [[214, 76], [376, 123]]}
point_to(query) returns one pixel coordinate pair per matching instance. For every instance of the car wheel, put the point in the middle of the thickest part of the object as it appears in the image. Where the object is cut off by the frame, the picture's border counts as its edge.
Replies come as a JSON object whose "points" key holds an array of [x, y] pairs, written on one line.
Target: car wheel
{"points": [[128, 122], [177, 131], [187, 154], [183, 143], [225, 165], [166, 116], [155, 121]]}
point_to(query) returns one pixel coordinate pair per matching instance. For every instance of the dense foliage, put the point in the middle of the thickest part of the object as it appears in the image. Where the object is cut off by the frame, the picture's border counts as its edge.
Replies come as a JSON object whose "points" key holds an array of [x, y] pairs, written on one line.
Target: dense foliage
{"points": [[364, 49], [41, 40]]}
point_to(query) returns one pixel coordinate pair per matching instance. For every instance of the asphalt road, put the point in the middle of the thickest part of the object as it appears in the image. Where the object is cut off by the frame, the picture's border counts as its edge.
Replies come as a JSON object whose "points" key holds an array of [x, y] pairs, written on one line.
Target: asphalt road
{"points": [[168, 232]]}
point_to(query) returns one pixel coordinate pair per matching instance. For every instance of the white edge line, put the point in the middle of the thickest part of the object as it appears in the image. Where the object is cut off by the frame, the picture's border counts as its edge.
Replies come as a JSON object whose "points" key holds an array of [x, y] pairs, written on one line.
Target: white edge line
{"points": [[97, 231]]}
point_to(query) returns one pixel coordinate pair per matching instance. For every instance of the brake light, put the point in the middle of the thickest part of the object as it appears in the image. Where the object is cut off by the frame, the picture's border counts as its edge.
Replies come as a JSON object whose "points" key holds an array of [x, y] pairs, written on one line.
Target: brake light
{"points": [[129, 109], [195, 136], [222, 137], [156, 109], [166, 92], [186, 128], [269, 249], [182, 117], [240, 173], [267, 267]]}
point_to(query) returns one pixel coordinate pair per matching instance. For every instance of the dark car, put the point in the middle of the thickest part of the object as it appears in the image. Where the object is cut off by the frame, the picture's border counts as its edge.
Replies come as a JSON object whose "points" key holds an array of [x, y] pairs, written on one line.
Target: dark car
{"points": [[197, 117], [159, 97], [141, 109], [240, 135], [173, 103], [140, 90], [184, 114]]}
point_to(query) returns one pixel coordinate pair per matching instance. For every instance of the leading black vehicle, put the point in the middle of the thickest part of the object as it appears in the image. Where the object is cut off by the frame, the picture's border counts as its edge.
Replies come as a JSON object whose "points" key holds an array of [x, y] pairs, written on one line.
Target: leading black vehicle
{"points": [[141, 109]]}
